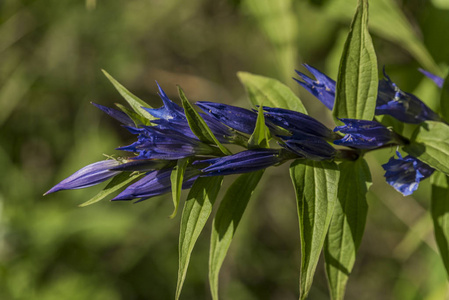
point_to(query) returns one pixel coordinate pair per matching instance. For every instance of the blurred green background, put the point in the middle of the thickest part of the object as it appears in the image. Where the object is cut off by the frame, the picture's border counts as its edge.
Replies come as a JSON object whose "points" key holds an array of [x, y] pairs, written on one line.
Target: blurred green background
{"points": [[51, 56]]}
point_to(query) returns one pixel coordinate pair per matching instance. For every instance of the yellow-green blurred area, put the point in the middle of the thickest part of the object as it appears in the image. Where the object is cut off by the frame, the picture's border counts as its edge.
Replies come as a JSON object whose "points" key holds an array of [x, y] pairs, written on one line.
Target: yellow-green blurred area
{"points": [[51, 56]]}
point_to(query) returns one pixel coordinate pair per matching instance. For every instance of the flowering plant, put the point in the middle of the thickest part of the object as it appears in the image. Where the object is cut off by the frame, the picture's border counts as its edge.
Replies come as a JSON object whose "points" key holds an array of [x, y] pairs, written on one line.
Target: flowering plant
{"points": [[180, 148]]}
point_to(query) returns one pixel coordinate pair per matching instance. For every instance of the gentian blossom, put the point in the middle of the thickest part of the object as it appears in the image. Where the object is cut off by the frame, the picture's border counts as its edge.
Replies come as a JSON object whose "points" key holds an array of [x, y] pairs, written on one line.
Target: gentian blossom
{"points": [[364, 134], [405, 174], [88, 176], [437, 79], [391, 100]]}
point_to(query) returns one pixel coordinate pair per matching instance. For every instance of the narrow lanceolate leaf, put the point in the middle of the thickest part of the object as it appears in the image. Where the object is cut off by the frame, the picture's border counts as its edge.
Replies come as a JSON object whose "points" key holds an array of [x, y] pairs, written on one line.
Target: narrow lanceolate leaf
{"points": [[316, 185], [444, 102], [357, 75], [270, 92], [195, 214], [347, 225], [261, 134], [430, 144], [440, 214], [177, 177], [198, 125], [118, 182], [226, 221], [132, 99], [138, 119]]}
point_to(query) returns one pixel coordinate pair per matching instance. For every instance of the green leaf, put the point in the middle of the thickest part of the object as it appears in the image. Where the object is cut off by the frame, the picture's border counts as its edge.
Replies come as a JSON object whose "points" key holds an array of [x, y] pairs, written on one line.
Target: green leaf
{"points": [[388, 21], [132, 99], [440, 214], [137, 119], [347, 225], [114, 185], [261, 134], [315, 186], [198, 125], [270, 92], [430, 143], [444, 100], [226, 221], [195, 214], [357, 79], [177, 178]]}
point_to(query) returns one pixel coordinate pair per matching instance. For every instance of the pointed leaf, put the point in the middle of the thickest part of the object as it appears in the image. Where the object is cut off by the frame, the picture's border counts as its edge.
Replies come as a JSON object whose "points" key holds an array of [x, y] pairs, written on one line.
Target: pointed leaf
{"points": [[195, 214], [132, 99], [430, 143], [226, 221], [315, 186], [177, 177], [138, 119], [440, 214], [260, 136], [347, 225], [357, 75], [118, 182], [270, 92], [198, 125], [387, 20], [444, 101]]}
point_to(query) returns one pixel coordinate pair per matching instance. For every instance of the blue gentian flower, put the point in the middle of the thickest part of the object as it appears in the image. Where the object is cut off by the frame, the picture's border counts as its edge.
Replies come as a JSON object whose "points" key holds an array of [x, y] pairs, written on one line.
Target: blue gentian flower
{"points": [[169, 111], [391, 100], [156, 143], [405, 174], [363, 134], [308, 147], [297, 123], [437, 79], [323, 88], [88, 176], [243, 162], [403, 106], [241, 119], [116, 114], [155, 183]]}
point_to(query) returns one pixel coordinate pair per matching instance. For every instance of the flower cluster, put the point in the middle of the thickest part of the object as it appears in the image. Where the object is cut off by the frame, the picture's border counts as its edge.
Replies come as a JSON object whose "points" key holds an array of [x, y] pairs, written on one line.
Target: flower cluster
{"points": [[168, 137]]}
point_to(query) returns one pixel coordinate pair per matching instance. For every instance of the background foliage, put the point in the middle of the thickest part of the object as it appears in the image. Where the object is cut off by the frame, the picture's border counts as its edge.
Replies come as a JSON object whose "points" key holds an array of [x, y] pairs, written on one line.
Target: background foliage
{"points": [[51, 56]]}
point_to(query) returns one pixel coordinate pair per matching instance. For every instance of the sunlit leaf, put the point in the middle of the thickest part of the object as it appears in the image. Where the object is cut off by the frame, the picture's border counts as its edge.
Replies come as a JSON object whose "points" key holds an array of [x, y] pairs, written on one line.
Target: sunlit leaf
{"points": [[195, 214], [118, 182], [261, 134], [357, 81], [270, 92], [440, 214], [177, 177], [347, 225], [198, 125], [226, 221], [430, 143], [132, 99], [316, 185]]}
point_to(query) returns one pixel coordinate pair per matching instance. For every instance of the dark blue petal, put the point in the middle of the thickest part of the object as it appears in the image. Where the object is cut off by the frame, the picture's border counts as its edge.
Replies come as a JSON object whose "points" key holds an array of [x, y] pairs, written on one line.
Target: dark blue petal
{"points": [[297, 123], [238, 118], [405, 174], [116, 114], [88, 176], [242, 162], [363, 134], [403, 106], [437, 79], [309, 147], [323, 88], [169, 111], [153, 184]]}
